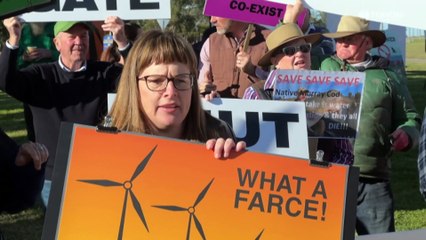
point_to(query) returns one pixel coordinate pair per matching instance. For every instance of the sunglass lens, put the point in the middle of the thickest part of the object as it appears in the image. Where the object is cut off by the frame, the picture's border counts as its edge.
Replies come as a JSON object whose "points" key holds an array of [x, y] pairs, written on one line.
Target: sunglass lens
{"points": [[305, 48], [289, 51]]}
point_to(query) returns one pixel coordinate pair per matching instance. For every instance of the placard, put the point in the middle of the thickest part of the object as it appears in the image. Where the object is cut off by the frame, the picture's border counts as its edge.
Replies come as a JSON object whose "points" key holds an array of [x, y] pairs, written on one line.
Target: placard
{"points": [[386, 11], [333, 99], [266, 126], [250, 11], [10, 8], [99, 10], [134, 186]]}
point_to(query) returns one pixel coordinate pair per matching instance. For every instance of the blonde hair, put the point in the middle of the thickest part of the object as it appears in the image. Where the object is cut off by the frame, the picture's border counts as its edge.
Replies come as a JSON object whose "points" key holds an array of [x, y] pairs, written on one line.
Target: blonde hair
{"points": [[155, 47]]}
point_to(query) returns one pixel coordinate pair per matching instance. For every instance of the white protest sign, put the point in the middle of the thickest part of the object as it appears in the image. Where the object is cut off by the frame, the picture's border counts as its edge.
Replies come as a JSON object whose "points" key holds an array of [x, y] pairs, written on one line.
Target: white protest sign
{"points": [[394, 50], [408, 14], [98, 10], [266, 126]]}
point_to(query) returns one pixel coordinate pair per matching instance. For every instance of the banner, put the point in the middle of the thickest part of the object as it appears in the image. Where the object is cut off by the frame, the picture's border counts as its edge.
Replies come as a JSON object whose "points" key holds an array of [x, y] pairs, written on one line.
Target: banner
{"points": [[10, 8], [99, 10], [250, 11], [266, 126], [407, 14], [333, 99], [133, 186]]}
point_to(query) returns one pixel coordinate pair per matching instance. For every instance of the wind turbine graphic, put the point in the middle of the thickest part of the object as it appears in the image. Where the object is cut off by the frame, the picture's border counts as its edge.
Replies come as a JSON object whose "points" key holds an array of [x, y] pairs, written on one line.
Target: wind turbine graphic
{"points": [[191, 211], [127, 185], [260, 235]]}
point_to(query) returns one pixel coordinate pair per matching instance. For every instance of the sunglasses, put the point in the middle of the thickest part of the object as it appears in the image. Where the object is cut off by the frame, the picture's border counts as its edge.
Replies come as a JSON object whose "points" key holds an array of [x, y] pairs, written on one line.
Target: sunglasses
{"points": [[290, 51]]}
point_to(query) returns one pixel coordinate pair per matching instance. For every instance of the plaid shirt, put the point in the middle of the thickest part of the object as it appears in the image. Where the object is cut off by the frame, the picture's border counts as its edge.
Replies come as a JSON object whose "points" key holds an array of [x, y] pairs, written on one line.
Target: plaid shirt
{"points": [[421, 161]]}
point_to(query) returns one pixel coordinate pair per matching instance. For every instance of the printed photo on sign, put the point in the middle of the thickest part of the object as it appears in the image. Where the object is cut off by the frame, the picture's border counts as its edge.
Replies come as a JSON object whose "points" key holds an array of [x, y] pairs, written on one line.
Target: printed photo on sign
{"points": [[332, 99]]}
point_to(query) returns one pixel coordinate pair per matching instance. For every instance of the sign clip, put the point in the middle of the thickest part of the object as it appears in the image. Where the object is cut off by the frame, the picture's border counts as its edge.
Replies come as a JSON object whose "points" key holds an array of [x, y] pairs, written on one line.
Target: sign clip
{"points": [[107, 126], [319, 162]]}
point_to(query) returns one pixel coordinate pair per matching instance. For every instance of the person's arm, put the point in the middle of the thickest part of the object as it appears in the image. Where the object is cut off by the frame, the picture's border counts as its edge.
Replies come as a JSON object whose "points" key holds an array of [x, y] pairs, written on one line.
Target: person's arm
{"points": [[405, 117], [25, 85], [115, 25], [22, 173], [204, 66]]}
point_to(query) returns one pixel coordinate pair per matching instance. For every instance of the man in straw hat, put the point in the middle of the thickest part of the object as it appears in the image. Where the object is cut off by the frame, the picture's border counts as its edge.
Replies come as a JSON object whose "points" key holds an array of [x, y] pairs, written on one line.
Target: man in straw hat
{"points": [[388, 121], [72, 89], [290, 49]]}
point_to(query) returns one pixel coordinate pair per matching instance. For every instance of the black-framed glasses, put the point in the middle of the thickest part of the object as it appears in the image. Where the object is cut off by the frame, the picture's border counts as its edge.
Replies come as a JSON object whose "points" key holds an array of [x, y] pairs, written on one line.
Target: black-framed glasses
{"points": [[158, 83], [291, 50]]}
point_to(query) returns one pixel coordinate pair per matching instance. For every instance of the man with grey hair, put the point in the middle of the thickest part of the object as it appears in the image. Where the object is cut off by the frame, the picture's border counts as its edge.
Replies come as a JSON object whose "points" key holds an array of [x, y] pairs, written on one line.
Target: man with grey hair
{"points": [[388, 122]]}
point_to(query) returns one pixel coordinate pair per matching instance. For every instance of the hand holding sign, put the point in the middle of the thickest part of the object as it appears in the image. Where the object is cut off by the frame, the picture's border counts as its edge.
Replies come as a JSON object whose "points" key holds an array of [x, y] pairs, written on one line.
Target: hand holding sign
{"points": [[14, 28], [223, 148], [115, 25], [244, 62]]}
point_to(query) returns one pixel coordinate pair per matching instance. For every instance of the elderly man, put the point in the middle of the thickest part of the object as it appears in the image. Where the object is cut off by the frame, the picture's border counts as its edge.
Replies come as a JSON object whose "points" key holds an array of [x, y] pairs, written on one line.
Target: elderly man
{"points": [[389, 121], [71, 89], [223, 62]]}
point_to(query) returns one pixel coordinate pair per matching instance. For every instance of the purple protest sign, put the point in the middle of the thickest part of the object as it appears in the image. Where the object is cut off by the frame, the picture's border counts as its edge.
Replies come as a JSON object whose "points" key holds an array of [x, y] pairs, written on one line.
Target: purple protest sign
{"points": [[251, 11]]}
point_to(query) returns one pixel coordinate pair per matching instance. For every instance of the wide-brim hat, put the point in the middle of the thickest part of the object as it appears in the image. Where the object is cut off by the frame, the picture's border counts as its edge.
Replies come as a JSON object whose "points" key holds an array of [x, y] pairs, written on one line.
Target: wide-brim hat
{"points": [[284, 34], [67, 25], [350, 25]]}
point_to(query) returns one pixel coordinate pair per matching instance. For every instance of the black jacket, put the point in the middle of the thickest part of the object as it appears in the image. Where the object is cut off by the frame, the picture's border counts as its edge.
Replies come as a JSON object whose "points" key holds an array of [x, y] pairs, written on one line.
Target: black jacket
{"points": [[19, 186]]}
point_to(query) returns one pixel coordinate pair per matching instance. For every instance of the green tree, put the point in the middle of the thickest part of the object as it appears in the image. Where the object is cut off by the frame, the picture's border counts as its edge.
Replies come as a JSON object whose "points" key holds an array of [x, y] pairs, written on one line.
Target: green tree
{"points": [[188, 19]]}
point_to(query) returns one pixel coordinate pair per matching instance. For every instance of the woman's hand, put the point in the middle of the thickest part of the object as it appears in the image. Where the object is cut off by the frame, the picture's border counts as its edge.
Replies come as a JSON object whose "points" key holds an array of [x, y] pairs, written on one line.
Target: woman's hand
{"points": [[223, 148]]}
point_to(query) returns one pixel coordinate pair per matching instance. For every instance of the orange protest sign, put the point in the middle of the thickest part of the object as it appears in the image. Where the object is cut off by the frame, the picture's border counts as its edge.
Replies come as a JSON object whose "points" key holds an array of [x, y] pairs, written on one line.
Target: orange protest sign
{"points": [[131, 186]]}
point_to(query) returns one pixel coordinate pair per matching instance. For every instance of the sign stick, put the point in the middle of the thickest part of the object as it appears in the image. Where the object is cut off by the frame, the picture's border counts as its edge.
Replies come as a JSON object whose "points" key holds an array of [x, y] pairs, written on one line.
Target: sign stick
{"points": [[247, 40]]}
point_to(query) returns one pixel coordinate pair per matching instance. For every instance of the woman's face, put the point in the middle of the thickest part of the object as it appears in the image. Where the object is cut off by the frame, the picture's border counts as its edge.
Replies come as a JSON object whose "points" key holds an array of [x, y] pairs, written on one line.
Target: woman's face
{"points": [[299, 60], [167, 108]]}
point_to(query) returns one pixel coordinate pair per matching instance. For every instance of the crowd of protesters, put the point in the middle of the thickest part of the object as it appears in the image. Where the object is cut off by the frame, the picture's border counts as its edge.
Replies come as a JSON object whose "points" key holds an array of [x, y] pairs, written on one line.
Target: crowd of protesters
{"points": [[160, 86]]}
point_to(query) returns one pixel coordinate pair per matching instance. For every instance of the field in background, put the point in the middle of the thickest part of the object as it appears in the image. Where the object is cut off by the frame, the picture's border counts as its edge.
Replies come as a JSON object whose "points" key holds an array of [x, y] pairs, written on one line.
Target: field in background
{"points": [[410, 207]]}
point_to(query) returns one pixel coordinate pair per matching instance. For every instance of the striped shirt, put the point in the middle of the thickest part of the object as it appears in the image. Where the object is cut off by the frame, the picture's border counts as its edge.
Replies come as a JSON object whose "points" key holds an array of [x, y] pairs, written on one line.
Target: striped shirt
{"points": [[250, 92]]}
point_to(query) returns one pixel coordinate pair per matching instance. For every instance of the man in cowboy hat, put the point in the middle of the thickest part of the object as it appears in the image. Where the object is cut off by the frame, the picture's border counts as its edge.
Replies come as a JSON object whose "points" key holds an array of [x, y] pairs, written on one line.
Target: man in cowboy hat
{"points": [[388, 122], [223, 62]]}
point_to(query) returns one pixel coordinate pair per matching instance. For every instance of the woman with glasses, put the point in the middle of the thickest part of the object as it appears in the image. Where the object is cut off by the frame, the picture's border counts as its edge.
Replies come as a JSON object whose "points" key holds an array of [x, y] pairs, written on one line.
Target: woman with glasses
{"points": [[158, 94]]}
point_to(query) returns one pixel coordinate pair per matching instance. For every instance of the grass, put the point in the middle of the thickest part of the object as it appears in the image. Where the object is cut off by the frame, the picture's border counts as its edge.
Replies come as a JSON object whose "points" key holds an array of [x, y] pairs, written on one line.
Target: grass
{"points": [[410, 207]]}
